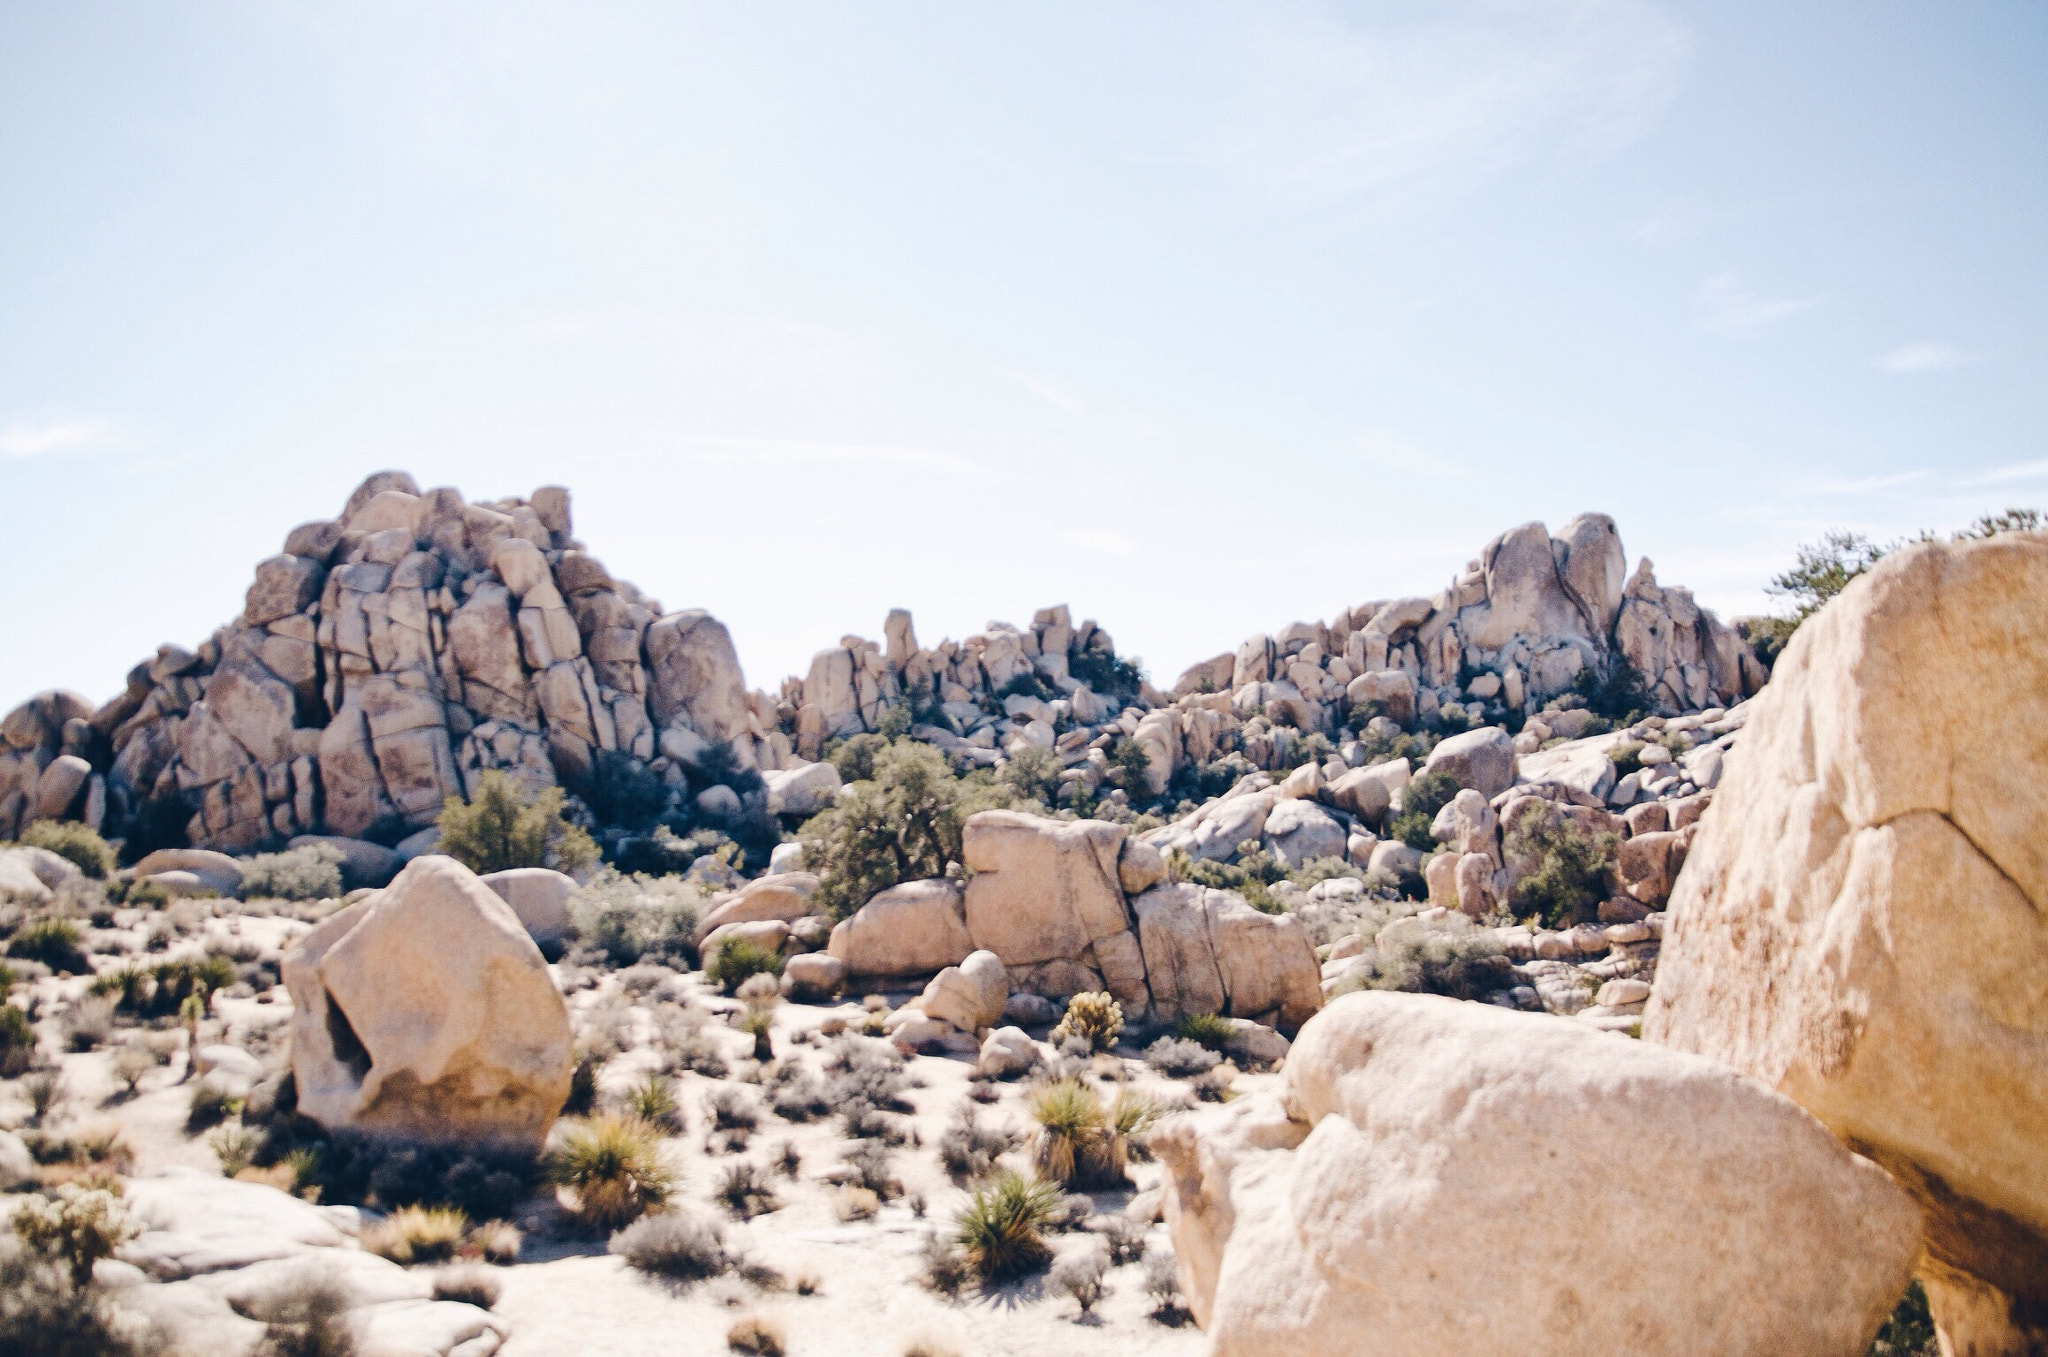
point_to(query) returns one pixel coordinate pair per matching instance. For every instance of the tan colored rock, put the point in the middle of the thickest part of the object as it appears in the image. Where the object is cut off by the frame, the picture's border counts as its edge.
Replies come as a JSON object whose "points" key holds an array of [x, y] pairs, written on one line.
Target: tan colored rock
{"points": [[1140, 867], [785, 895], [971, 995], [217, 871], [1207, 951], [1482, 759], [1358, 1207], [1368, 792], [1860, 920], [1391, 689], [917, 928], [693, 676], [61, 787], [426, 1012], [812, 976], [540, 897], [1042, 889]]}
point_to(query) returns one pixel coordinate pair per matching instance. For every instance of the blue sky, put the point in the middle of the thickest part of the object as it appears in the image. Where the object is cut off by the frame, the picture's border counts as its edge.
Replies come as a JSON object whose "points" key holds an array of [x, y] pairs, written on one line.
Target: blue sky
{"points": [[1200, 318]]}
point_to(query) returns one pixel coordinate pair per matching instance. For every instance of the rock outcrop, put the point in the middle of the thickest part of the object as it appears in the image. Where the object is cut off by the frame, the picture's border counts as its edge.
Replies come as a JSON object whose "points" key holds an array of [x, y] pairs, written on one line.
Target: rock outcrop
{"points": [[1360, 1206], [424, 1011], [1860, 920]]}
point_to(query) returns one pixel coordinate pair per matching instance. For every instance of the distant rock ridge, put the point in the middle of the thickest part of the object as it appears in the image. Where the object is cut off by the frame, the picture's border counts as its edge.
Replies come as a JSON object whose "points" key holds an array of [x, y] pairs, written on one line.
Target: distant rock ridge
{"points": [[389, 656]]}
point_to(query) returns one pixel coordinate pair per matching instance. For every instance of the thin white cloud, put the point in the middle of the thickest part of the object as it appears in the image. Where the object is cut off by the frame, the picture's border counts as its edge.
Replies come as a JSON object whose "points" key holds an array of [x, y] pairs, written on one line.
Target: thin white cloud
{"points": [[34, 440], [1926, 356], [821, 452], [1730, 309], [1100, 540], [2015, 471], [1051, 392]]}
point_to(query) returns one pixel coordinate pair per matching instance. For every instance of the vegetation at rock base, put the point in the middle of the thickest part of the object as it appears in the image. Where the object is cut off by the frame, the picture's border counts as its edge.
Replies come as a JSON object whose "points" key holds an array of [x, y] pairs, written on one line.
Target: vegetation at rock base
{"points": [[1421, 799], [309, 873], [1092, 1018], [80, 845], [1571, 870], [503, 825]]}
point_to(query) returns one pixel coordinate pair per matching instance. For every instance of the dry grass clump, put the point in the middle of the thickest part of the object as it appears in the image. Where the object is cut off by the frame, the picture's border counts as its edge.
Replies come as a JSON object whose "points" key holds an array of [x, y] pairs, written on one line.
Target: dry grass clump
{"points": [[760, 993], [234, 1146], [612, 1168], [674, 1244], [868, 1165], [307, 1316], [1080, 1142], [417, 1234], [1212, 1030], [210, 1105], [498, 1241], [469, 1285], [746, 1192], [1001, 1227], [1081, 1276], [851, 1202], [653, 1100], [968, 1149], [761, 1335]]}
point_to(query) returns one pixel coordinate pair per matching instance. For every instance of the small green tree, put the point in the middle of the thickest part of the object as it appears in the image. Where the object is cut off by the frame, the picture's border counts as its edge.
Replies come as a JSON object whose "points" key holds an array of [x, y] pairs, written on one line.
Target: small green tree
{"points": [[77, 843], [1421, 799], [1570, 874], [504, 826]]}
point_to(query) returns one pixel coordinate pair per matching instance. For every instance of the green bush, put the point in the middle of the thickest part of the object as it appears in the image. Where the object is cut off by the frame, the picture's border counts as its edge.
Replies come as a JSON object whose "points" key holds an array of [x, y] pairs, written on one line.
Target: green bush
{"points": [[54, 942], [1033, 774], [613, 1168], [902, 823], [1627, 757], [504, 826], [1446, 957], [635, 918], [78, 844], [309, 873], [1614, 690], [737, 959], [1570, 874], [1212, 1030], [1001, 1228], [1421, 799]]}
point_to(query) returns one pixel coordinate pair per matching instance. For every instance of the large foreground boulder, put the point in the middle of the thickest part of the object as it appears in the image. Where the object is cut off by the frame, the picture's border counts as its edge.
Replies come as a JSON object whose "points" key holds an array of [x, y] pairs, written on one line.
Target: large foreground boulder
{"points": [[1860, 922], [425, 1012], [1437, 1177]]}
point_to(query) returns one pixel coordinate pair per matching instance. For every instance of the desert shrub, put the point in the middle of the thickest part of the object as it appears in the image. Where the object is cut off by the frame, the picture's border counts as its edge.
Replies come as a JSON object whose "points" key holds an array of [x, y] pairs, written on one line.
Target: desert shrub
{"points": [[653, 1100], [1444, 956], [1909, 1330], [872, 1170], [796, 1094], [77, 1226], [1001, 1227], [53, 941], [853, 1202], [234, 1146], [44, 1313], [309, 873], [417, 1234], [44, 1090], [1094, 1018], [624, 792], [498, 1241], [161, 990], [737, 959], [1421, 799], [351, 1168], [673, 1244], [689, 1045], [131, 1063], [1073, 1142], [308, 1317], [628, 919], [1032, 773], [17, 1041], [1627, 757], [760, 994], [1212, 1030], [968, 1149], [89, 1023], [745, 1190], [612, 1167], [760, 1335], [1178, 1058], [1570, 873], [503, 825], [945, 1265], [865, 1082], [900, 823], [732, 1109], [582, 1097], [1131, 1114], [469, 1285], [78, 844], [1080, 1276], [210, 1105], [1217, 1086], [1162, 1284], [1125, 1240]]}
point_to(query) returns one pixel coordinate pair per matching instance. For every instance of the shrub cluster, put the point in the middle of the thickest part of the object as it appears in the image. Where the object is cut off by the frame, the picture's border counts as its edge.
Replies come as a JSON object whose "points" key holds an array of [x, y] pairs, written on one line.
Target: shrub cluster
{"points": [[504, 825], [79, 844], [309, 873]]}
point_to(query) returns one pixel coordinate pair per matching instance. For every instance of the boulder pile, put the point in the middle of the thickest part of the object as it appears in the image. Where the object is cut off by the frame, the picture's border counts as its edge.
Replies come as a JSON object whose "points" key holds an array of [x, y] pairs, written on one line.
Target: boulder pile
{"points": [[1860, 923]]}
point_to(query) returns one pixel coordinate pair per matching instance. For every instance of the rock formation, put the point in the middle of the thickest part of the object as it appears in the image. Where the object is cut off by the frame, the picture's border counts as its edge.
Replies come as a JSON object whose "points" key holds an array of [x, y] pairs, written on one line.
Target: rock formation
{"points": [[424, 1011], [1436, 1177], [1860, 920]]}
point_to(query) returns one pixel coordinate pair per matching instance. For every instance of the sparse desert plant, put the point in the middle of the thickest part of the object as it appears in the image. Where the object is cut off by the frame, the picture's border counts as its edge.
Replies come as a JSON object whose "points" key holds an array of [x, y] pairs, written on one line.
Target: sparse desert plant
{"points": [[1073, 1133], [676, 1244], [1001, 1227], [735, 960], [1080, 1275], [43, 1313], [788, 1159], [53, 941], [210, 1105], [630, 918], [872, 1169], [683, 1034], [1217, 1086], [968, 1149], [503, 825], [612, 1167], [89, 1023], [17, 1041], [470, 1285], [497, 1240], [1180, 1058], [866, 1081], [309, 873], [1094, 1018], [760, 994], [1125, 1240], [131, 1064], [78, 1226], [796, 1094], [653, 1100], [308, 1317], [45, 1091], [78, 844], [417, 1234], [946, 1267], [929, 1345], [1211, 1030], [760, 1335], [1162, 1284], [583, 1084], [745, 1190], [234, 1146], [851, 1202], [730, 1109]]}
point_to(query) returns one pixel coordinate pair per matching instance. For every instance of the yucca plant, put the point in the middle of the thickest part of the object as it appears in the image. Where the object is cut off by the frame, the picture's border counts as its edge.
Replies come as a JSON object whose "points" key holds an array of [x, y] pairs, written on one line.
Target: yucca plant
{"points": [[1000, 1229], [760, 993], [613, 1168], [417, 1234], [653, 1100], [1071, 1126], [1212, 1030]]}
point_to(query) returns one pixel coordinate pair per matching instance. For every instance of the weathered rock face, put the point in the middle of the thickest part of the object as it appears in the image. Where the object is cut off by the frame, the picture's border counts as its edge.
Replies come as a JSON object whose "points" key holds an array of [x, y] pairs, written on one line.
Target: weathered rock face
{"points": [[1358, 1208], [1207, 951], [916, 928], [426, 1012], [1049, 891], [1860, 924]]}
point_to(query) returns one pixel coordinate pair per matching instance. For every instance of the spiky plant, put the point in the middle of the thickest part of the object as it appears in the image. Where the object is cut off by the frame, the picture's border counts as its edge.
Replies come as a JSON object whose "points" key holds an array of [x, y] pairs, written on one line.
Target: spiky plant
{"points": [[612, 1167], [653, 1100], [1212, 1030], [1071, 1125], [1095, 1018], [1001, 1227]]}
